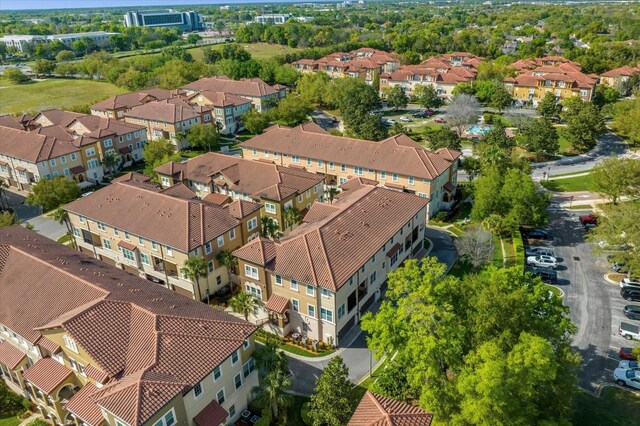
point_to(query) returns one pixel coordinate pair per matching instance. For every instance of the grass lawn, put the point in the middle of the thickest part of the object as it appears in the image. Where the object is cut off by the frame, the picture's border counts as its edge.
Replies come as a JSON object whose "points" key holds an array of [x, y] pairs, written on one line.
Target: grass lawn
{"points": [[9, 420], [510, 252], [497, 252], [565, 147], [614, 407], [257, 50], [578, 183], [53, 93], [64, 239]]}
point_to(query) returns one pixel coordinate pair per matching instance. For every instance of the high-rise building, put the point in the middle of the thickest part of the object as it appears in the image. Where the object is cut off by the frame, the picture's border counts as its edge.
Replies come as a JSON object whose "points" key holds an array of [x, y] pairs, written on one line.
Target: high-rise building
{"points": [[186, 21]]}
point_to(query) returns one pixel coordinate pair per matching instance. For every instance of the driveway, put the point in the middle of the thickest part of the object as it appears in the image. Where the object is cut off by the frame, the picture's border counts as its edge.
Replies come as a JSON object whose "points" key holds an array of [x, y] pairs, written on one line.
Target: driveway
{"points": [[325, 120], [42, 224], [443, 248]]}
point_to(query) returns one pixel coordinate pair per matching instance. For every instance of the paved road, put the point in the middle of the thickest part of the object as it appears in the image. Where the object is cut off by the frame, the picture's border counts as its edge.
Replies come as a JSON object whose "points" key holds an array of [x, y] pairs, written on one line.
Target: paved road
{"points": [[44, 225], [325, 120], [443, 248]]}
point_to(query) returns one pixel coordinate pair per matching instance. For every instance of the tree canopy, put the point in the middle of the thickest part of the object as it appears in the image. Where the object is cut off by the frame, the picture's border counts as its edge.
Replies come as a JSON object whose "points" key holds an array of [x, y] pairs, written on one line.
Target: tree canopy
{"points": [[584, 124], [52, 193], [332, 403], [617, 177]]}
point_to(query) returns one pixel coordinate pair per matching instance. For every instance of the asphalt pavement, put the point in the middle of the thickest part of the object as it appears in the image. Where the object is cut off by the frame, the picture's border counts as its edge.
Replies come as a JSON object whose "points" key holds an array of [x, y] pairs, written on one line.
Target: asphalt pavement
{"points": [[25, 213], [443, 248]]}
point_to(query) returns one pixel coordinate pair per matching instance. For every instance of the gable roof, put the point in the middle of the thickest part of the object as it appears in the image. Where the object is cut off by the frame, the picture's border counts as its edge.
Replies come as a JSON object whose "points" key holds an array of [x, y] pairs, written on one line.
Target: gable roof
{"points": [[166, 111], [252, 87], [396, 154], [153, 343], [32, 147], [219, 99], [327, 252], [377, 410], [129, 100]]}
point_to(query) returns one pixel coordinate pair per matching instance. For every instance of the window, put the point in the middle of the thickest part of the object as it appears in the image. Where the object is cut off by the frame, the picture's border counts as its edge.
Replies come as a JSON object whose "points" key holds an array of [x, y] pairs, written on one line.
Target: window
{"points": [[165, 181], [154, 245], [169, 251], [295, 159], [237, 381], [91, 151], [116, 232], [210, 266], [372, 278], [320, 163], [311, 310], [220, 396], [232, 234], [294, 285], [315, 189], [326, 293], [141, 241], [411, 180], [343, 167], [362, 269], [255, 152], [197, 390], [234, 357], [108, 143], [245, 344], [63, 159], [220, 241], [254, 291], [251, 225], [73, 156], [70, 343], [128, 136], [357, 170], [310, 290], [128, 254], [326, 314], [216, 373], [207, 248], [308, 161], [373, 258], [251, 272], [394, 177], [300, 198], [279, 279], [145, 259], [341, 311], [331, 165], [52, 161], [232, 411], [126, 235], [270, 208], [295, 305], [106, 244], [100, 226], [168, 419]]}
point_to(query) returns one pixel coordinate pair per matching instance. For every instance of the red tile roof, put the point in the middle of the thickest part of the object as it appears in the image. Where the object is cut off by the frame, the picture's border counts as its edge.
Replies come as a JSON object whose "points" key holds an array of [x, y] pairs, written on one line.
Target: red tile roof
{"points": [[211, 415], [47, 374], [47, 344], [277, 303], [250, 87], [376, 410], [96, 374], [83, 406], [163, 111], [31, 146], [129, 100], [10, 355]]}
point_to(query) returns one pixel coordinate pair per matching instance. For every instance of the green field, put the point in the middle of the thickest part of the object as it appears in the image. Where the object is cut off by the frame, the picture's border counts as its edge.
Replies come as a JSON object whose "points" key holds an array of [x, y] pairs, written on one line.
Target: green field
{"points": [[578, 183], [9, 420], [614, 407], [52, 93]]}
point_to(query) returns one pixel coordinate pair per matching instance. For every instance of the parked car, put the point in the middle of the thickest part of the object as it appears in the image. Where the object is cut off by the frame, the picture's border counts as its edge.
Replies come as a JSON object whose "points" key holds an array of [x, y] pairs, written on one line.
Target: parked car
{"points": [[547, 275], [628, 365], [538, 233], [619, 267], [629, 378], [630, 294], [627, 283], [390, 121], [629, 331], [440, 120], [405, 119], [632, 312], [625, 353], [420, 114], [590, 219], [536, 251], [542, 261]]}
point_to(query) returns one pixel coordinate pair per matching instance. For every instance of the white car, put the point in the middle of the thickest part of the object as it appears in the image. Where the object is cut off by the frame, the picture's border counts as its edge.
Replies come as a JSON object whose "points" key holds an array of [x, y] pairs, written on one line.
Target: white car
{"points": [[542, 261], [626, 282], [391, 121], [625, 377], [537, 251], [629, 365], [405, 119]]}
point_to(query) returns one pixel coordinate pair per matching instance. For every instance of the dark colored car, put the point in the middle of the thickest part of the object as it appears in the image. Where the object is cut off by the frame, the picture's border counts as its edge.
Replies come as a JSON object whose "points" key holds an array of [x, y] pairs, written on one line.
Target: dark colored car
{"points": [[631, 295], [588, 219], [632, 312], [625, 353], [547, 275], [538, 233]]}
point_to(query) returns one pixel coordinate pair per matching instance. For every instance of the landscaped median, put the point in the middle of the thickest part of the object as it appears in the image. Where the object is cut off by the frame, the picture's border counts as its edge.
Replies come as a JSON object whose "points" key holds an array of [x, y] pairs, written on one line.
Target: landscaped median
{"points": [[294, 347], [578, 182]]}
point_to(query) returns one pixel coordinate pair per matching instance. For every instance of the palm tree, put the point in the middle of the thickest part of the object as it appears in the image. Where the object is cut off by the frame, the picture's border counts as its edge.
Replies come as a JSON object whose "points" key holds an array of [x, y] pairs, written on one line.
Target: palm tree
{"points": [[62, 216], [109, 162], [194, 268], [272, 393], [332, 192], [291, 217], [269, 359], [243, 303], [228, 260], [269, 228]]}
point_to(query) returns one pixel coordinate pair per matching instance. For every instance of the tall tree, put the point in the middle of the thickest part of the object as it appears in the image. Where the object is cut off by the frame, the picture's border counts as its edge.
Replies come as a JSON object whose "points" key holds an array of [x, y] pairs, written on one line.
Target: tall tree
{"points": [[541, 138], [272, 394], [443, 138], [204, 136], [462, 112], [109, 162], [269, 228], [396, 97], [331, 403], [243, 303], [291, 217], [293, 110], [62, 217], [584, 124], [194, 269], [228, 260], [549, 106], [475, 247], [617, 177], [51, 193], [269, 358], [427, 96], [255, 122]]}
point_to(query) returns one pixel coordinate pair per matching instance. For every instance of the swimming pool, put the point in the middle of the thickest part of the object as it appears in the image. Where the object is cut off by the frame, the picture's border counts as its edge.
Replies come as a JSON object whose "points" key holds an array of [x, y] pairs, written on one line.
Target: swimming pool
{"points": [[478, 130]]}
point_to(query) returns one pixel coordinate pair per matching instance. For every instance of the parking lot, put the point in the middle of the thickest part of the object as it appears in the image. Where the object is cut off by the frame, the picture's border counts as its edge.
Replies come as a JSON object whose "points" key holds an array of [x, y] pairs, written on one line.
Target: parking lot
{"points": [[596, 305]]}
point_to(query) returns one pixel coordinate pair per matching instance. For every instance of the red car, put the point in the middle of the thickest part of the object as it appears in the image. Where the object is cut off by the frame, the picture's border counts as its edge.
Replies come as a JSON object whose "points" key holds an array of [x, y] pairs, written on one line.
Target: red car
{"points": [[439, 120], [588, 219], [625, 353]]}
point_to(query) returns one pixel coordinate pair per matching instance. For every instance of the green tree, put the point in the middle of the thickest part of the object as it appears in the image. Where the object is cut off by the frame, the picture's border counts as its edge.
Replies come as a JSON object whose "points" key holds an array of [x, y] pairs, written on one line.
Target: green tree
{"points": [[193, 38], [449, 342], [255, 122], [269, 359], [293, 110], [204, 136], [269, 228], [110, 162], [243, 303], [427, 96], [527, 205], [541, 138], [314, 87], [291, 217], [157, 149], [194, 269], [442, 137], [549, 106], [605, 95], [15, 75], [62, 217], [391, 382], [617, 177], [43, 66], [272, 394], [626, 120], [500, 98], [396, 97], [7, 219], [584, 124], [4, 203], [228, 260], [52, 193], [331, 402]]}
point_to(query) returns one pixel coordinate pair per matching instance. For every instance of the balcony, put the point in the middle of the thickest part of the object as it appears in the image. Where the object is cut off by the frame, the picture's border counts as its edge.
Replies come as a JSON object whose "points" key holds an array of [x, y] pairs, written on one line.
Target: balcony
{"points": [[159, 265]]}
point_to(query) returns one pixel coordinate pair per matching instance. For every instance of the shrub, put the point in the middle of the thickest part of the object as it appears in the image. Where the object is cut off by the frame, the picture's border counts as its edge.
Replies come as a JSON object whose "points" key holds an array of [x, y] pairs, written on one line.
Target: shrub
{"points": [[441, 216], [304, 413]]}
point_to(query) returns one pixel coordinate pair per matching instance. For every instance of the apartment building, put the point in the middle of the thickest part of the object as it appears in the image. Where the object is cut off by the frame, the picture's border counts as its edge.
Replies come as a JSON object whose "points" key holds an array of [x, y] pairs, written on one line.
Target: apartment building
{"points": [[619, 76], [364, 63], [553, 74], [19, 41], [321, 278], [91, 345], [226, 109], [397, 162], [262, 96], [272, 18], [443, 73], [116, 106], [169, 119], [275, 188], [133, 225]]}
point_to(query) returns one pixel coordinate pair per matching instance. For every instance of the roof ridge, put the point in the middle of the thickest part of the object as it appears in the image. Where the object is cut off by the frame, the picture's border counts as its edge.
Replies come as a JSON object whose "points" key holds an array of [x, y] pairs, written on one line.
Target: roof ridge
{"points": [[326, 259], [308, 252]]}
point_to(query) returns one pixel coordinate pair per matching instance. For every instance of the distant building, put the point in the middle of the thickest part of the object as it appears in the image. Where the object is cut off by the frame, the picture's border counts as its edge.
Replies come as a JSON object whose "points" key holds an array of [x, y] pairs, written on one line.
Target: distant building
{"points": [[272, 18], [186, 21], [18, 41]]}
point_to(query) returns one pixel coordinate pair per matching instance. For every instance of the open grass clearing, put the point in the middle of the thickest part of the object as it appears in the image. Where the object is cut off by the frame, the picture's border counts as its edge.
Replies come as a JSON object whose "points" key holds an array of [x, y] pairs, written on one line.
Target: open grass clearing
{"points": [[614, 407], [9, 420], [257, 50], [53, 93], [570, 184]]}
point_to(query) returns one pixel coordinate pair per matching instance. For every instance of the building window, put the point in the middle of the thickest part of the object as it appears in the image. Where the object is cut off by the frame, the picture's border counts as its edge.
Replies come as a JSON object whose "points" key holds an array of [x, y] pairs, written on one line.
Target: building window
{"points": [[320, 163], [197, 390], [294, 285], [81, 219], [63, 159], [126, 235], [251, 272], [52, 161], [372, 278], [144, 259], [357, 171], [169, 251], [73, 156], [220, 397], [251, 225], [210, 266], [141, 241], [106, 243], [326, 315], [207, 248], [279, 279], [216, 373], [165, 181], [411, 180], [310, 290], [70, 343], [232, 411], [311, 311], [341, 311], [100, 226], [248, 367], [128, 254], [234, 357], [245, 344], [295, 305], [237, 381], [308, 161], [254, 291], [108, 143], [394, 177], [331, 166], [326, 293], [343, 167], [154, 245], [270, 208], [232, 234]]}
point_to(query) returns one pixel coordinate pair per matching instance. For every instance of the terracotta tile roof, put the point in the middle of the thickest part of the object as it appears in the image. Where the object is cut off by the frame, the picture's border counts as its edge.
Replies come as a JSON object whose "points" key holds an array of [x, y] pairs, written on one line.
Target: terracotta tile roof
{"points": [[180, 190], [77, 170], [254, 178], [129, 100], [397, 154], [96, 374], [327, 252], [56, 116], [163, 111], [213, 414], [10, 355], [219, 99], [376, 410], [252, 87], [148, 339], [127, 245], [9, 121], [31, 146], [319, 211], [216, 198], [626, 71], [277, 303], [449, 187], [47, 344], [82, 406], [242, 208], [47, 374], [176, 222]]}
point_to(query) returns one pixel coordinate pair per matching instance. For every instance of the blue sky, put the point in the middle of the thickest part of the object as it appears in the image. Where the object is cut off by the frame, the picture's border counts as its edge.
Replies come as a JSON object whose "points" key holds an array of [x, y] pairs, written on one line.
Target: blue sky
{"points": [[57, 4]]}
